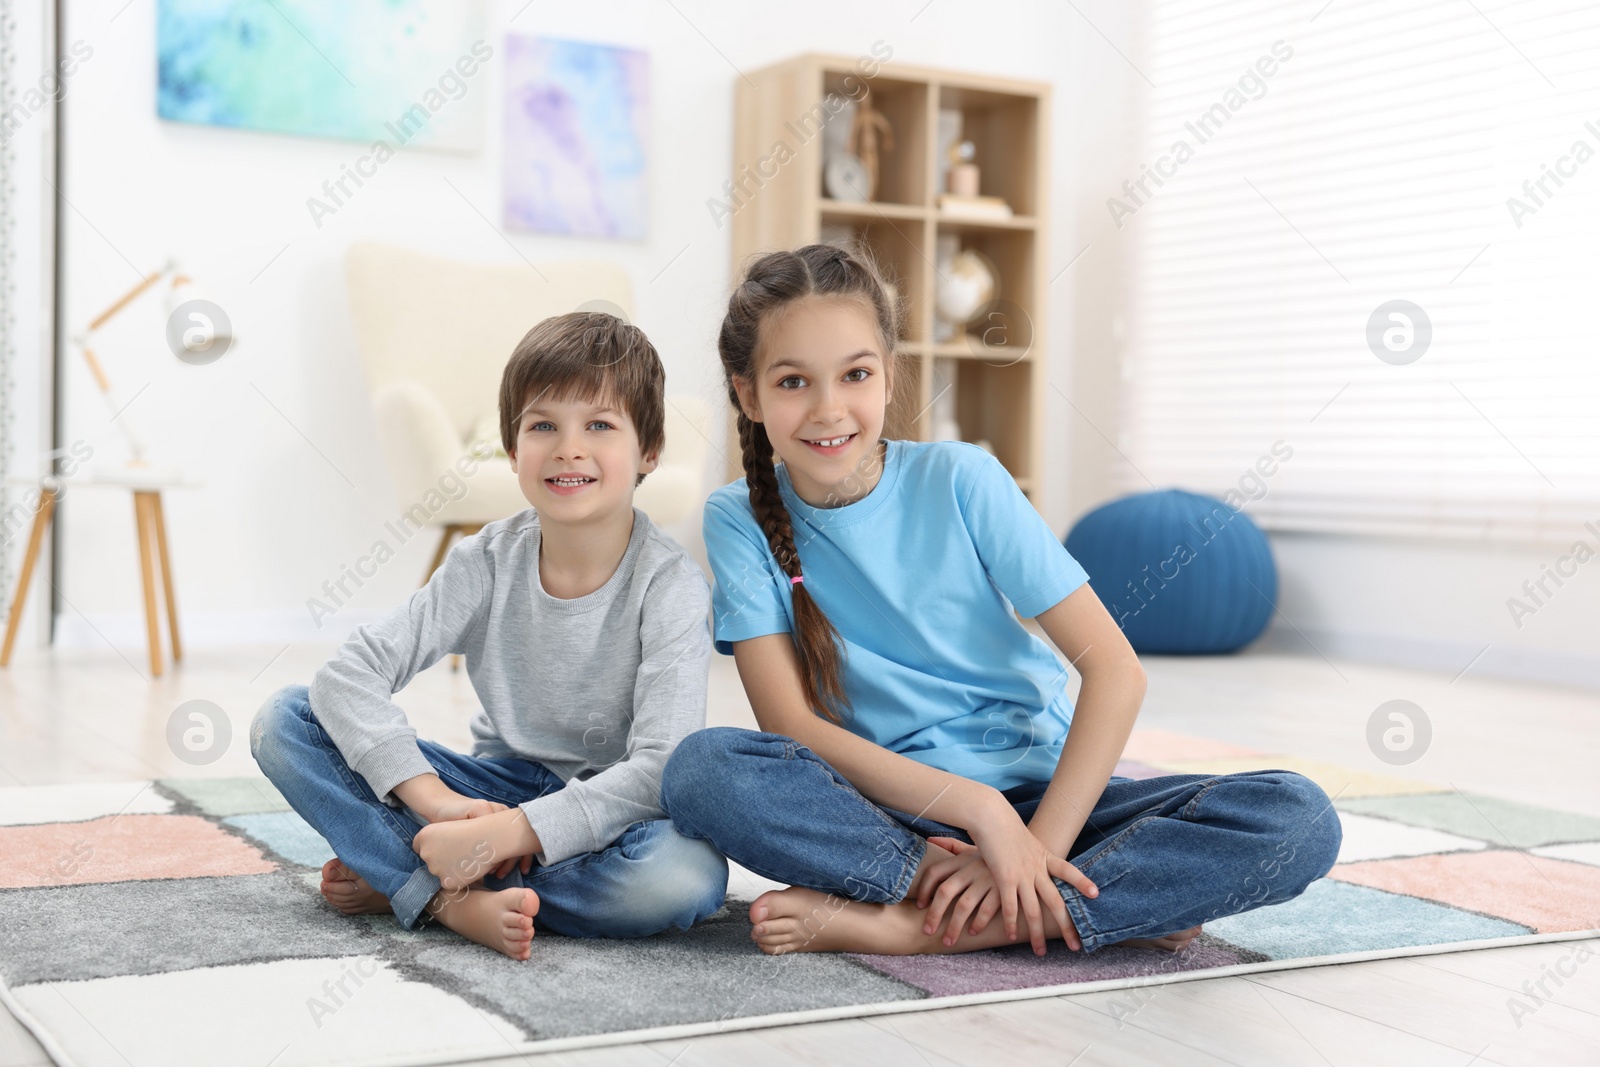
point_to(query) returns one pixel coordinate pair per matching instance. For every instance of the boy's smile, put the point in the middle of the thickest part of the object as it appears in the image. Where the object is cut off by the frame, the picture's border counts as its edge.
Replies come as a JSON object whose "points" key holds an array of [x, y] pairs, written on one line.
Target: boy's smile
{"points": [[566, 484]]}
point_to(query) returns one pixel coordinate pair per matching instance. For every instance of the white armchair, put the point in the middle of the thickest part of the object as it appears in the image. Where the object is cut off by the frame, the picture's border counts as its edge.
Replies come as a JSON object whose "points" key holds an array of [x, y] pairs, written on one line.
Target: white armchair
{"points": [[435, 335]]}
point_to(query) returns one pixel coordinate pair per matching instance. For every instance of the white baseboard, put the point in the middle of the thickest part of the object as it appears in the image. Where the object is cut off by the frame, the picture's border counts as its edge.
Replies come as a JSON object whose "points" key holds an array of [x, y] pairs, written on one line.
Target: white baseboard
{"points": [[224, 629], [210, 629], [1436, 654]]}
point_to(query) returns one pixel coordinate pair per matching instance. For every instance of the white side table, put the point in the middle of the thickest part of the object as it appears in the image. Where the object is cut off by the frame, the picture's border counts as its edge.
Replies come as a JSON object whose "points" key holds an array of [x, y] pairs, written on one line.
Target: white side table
{"points": [[150, 524]]}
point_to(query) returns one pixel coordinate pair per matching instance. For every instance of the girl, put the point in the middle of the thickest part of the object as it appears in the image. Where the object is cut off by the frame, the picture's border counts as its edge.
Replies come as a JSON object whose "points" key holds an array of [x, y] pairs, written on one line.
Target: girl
{"points": [[869, 591]]}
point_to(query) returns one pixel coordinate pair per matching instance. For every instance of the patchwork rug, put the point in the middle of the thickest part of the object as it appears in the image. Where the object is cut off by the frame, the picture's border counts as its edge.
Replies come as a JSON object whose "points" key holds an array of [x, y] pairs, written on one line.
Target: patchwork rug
{"points": [[178, 922]]}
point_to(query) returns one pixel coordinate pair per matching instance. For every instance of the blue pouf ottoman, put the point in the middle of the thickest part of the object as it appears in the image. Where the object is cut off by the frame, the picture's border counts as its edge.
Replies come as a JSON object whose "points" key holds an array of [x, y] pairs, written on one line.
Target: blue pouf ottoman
{"points": [[1180, 572]]}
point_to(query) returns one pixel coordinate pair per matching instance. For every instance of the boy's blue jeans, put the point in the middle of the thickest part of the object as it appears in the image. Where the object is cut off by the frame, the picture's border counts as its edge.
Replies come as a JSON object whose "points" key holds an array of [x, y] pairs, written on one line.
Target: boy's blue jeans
{"points": [[650, 879], [1167, 853]]}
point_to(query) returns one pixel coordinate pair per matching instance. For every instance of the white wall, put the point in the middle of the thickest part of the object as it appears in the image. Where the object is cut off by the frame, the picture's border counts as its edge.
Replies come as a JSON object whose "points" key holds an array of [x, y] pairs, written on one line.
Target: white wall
{"points": [[1441, 605], [276, 518]]}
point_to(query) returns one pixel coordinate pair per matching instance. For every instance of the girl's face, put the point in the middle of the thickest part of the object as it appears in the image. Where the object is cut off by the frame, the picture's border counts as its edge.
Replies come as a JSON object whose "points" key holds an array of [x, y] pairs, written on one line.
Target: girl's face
{"points": [[821, 387]]}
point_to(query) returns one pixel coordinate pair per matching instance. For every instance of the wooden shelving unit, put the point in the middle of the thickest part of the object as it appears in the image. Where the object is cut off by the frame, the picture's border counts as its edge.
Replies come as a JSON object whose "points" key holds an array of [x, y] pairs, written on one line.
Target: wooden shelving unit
{"points": [[998, 388]]}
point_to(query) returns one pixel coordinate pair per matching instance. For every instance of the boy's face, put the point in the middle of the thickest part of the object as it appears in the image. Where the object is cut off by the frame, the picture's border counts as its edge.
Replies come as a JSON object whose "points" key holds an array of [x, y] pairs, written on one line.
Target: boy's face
{"points": [[578, 460]]}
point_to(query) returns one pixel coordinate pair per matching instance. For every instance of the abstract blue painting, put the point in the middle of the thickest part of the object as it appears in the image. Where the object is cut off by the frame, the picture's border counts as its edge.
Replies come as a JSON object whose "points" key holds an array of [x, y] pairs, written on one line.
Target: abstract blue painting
{"points": [[576, 148], [400, 71]]}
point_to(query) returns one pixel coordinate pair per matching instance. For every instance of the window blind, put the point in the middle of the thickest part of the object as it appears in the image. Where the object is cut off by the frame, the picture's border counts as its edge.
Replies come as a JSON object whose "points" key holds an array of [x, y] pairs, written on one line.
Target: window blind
{"points": [[1303, 170]]}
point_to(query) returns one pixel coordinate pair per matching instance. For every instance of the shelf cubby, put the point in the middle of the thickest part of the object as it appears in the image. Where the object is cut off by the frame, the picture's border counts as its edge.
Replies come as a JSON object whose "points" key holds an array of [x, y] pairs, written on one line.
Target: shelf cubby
{"points": [[986, 395], [997, 387], [896, 246], [910, 395], [903, 177], [1005, 129]]}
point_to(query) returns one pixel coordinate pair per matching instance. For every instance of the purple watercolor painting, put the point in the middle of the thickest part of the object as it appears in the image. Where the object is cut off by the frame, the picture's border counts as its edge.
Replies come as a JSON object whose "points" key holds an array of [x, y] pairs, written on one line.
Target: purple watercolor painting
{"points": [[575, 147]]}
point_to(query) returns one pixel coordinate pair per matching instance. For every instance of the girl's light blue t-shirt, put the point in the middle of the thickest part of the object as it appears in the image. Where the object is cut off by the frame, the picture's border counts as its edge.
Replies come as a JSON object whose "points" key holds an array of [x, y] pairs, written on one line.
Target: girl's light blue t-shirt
{"points": [[920, 577]]}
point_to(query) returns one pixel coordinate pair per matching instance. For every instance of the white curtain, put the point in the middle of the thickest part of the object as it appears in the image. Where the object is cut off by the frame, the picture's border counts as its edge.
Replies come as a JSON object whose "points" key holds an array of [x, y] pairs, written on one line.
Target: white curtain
{"points": [[1313, 165], [8, 289]]}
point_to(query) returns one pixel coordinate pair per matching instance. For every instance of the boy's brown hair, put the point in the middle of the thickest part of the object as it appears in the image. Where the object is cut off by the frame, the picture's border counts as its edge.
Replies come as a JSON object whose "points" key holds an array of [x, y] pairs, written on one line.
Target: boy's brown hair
{"points": [[586, 355]]}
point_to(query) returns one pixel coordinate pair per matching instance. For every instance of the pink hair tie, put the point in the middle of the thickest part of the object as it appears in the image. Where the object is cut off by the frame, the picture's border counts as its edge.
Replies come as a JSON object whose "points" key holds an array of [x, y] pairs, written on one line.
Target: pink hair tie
{"points": [[797, 579]]}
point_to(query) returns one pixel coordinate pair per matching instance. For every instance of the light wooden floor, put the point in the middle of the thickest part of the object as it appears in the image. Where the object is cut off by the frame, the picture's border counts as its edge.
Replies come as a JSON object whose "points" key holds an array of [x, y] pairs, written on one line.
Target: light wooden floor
{"points": [[75, 717]]}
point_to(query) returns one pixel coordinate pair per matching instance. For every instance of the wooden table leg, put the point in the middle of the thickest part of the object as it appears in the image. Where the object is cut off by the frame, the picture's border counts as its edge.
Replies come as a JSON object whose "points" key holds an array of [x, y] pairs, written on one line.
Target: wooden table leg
{"points": [[41, 523], [465, 530], [439, 553], [166, 574], [143, 520]]}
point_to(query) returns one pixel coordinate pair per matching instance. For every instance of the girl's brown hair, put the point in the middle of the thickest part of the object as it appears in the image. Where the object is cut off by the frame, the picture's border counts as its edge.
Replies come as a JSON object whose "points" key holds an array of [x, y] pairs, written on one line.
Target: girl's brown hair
{"points": [[772, 282]]}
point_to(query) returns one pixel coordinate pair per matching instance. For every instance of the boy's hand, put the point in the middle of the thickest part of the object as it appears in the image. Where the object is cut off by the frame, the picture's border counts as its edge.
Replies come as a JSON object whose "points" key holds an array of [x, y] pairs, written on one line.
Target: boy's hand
{"points": [[459, 807], [459, 852], [435, 802], [428, 796], [456, 806]]}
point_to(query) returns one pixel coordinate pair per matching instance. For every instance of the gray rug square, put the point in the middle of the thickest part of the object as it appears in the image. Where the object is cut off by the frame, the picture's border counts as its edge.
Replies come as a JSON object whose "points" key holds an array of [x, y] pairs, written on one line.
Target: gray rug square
{"points": [[62, 933], [576, 986]]}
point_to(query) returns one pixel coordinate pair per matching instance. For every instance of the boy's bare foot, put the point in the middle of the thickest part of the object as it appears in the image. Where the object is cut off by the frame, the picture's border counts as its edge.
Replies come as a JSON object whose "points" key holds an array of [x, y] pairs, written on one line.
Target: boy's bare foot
{"points": [[349, 892], [501, 920], [1170, 942]]}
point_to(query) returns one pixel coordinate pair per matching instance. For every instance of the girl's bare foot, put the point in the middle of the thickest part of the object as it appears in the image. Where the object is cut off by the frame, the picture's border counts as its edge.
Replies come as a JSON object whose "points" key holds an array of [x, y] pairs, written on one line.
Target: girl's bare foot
{"points": [[1170, 942], [804, 920], [501, 920], [349, 892]]}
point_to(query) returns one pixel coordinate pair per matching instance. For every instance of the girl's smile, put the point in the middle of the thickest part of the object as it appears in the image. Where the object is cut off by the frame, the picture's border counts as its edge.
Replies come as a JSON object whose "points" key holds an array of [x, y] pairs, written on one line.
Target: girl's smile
{"points": [[832, 446]]}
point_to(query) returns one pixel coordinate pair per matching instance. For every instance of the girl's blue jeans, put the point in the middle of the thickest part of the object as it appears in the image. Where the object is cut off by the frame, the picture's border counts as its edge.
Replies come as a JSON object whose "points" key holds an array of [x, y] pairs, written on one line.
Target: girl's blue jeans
{"points": [[648, 880], [1166, 853]]}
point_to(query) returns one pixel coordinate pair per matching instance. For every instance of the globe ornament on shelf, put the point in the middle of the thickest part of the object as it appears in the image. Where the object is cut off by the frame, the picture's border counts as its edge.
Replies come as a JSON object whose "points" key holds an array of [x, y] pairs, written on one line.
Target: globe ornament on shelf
{"points": [[966, 286]]}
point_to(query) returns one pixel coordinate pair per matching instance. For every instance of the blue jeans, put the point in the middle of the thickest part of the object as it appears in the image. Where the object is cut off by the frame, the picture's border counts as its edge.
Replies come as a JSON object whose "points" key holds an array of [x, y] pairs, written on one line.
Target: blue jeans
{"points": [[1167, 853], [648, 880]]}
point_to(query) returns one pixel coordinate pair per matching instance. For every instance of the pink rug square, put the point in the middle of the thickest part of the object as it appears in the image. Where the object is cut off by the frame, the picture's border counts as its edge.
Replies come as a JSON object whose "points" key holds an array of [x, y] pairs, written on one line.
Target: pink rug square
{"points": [[123, 848], [1132, 769], [1549, 895]]}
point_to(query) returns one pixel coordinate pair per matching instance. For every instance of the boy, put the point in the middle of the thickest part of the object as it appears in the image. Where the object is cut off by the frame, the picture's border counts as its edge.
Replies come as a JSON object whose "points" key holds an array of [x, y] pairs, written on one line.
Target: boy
{"points": [[584, 628]]}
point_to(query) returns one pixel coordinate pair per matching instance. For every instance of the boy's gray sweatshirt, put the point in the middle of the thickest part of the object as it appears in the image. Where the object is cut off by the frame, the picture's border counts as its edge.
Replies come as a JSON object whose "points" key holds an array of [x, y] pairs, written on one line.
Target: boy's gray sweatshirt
{"points": [[598, 689]]}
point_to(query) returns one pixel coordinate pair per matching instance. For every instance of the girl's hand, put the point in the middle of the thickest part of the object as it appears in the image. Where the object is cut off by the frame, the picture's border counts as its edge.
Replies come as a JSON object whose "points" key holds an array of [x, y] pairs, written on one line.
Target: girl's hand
{"points": [[948, 877], [991, 901], [1020, 873]]}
